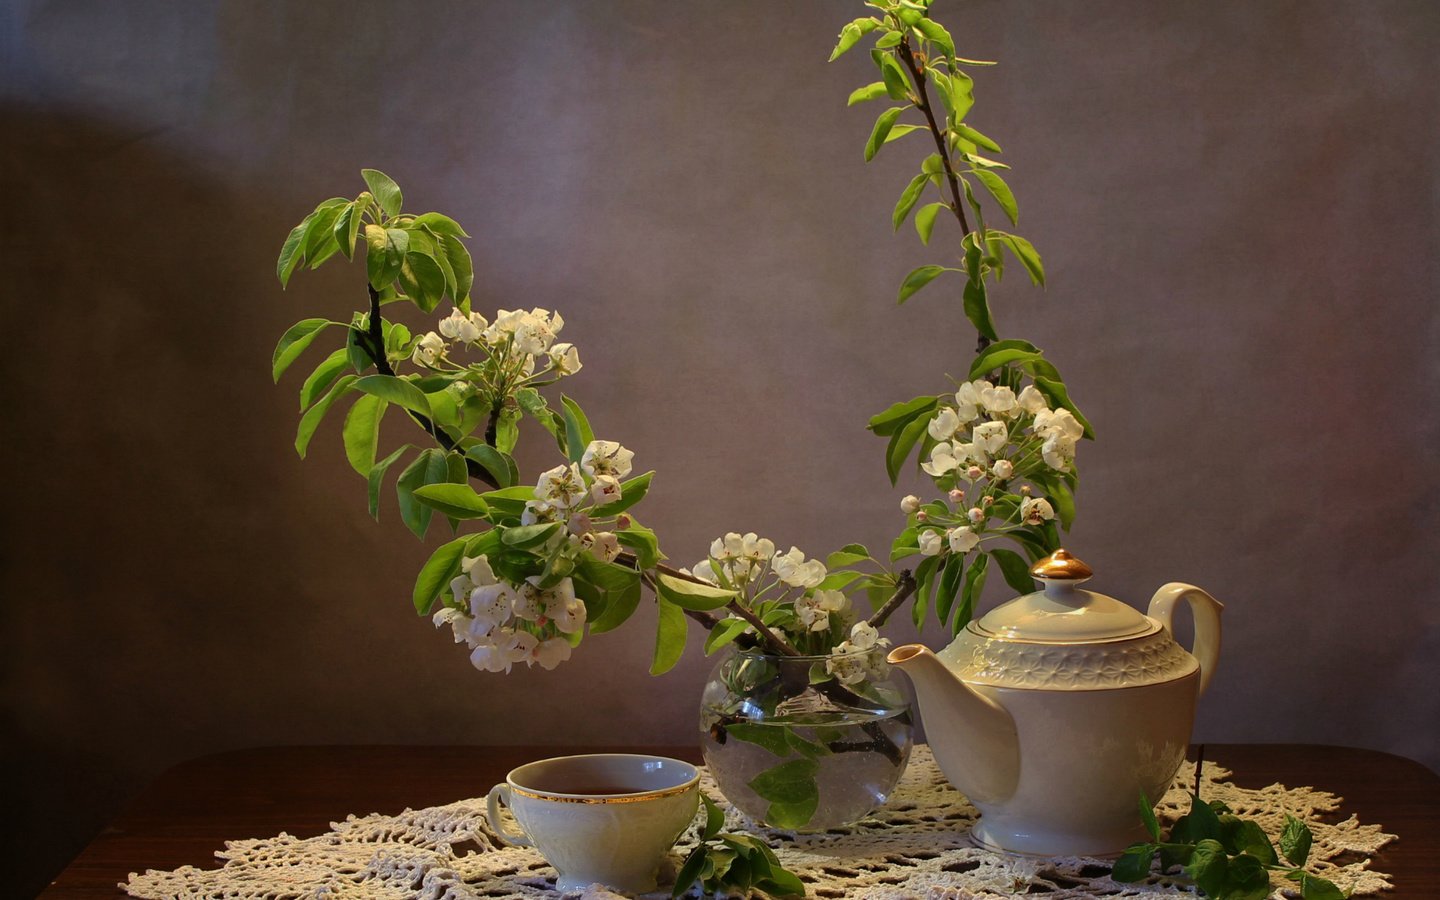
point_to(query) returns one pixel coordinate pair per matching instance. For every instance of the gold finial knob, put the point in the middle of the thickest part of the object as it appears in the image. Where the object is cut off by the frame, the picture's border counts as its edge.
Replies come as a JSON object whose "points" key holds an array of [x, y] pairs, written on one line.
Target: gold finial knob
{"points": [[1061, 566]]}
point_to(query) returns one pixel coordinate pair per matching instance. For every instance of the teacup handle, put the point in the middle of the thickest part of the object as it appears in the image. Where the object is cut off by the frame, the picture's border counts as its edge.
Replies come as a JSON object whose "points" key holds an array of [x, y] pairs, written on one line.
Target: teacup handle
{"points": [[499, 794]]}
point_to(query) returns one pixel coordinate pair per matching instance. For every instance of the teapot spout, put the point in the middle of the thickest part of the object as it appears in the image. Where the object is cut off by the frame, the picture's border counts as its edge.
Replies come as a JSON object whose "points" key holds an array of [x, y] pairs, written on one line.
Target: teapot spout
{"points": [[973, 737]]}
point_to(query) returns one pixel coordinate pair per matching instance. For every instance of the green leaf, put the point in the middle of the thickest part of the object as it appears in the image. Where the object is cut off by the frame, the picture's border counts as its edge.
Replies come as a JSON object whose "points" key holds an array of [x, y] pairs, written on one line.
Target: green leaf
{"points": [[899, 131], [883, 124], [1003, 196], [1002, 353], [429, 467], [1246, 836], [1207, 867], [443, 565], [691, 595], [851, 34], [631, 493], [643, 543], [868, 92], [441, 224], [908, 198], [714, 818], [782, 883], [361, 432], [1246, 879], [724, 633], [900, 446], [975, 137], [897, 416], [689, 871], [386, 191], [1133, 864], [1147, 809], [925, 220], [1025, 252], [347, 229], [1313, 887], [947, 585], [501, 466], [321, 379], [1017, 574], [1295, 841], [771, 737], [621, 606], [791, 789], [293, 342], [311, 420], [936, 34], [977, 308], [670, 633], [578, 433], [290, 251], [897, 83], [423, 281], [395, 390], [458, 501], [918, 278], [848, 555], [970, 592], [376, 477], [1055, 392]]}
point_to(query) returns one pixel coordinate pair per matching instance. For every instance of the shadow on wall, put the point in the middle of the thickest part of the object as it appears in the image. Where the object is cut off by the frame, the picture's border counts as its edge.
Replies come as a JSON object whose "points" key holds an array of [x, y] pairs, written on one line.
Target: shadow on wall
{"points": [[133, 453]]}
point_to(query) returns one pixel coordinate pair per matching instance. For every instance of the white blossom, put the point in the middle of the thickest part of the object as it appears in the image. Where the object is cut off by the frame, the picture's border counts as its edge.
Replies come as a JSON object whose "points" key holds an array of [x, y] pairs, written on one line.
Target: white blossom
{"points": [[1058, 421], [991, 436], [565, 359], [930, 543], [509, 648], [1058, 451], [944, 425], [459, 622], [967, 398], [428, 350], [1034, 510], [561, 486], [942, 460], [998, 400], [793, 569], [704, 571], [606, 489], [863, 636], [962, 539], [549, 653], [492, 604], [604, 546], [529, 602], [606, 458], [910, 504], [539, 512], [462, 327], [814, 611], [1031, 400]]}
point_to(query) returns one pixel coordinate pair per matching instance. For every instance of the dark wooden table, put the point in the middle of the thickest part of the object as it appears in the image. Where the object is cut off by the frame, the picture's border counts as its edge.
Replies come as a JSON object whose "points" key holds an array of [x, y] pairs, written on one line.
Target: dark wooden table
{"points": [[191, 810]]}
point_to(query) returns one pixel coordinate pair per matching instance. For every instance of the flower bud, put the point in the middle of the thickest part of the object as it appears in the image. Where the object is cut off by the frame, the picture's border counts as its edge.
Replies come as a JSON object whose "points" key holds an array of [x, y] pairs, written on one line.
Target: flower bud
{"points": [[623, 521], [910, 504], [922, 516], [986, 501], [974, 472], [976, 515], [957, 495], [1003, 469]]}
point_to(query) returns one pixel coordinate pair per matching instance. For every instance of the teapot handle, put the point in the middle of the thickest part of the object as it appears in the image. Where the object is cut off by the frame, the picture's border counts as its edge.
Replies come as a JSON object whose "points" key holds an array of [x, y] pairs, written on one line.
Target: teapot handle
{"points": [[1206, 610]]}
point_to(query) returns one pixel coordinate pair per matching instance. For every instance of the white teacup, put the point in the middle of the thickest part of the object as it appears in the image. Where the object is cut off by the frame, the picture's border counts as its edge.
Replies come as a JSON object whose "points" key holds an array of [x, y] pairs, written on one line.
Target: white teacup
{"points": [[606, 818]]}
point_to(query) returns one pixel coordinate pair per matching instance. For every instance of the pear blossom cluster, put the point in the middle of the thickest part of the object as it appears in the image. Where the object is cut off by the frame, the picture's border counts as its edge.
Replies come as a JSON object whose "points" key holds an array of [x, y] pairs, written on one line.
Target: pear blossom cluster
{"points": [[989, 439], [505, 623], [786, 591], [519, 345]]}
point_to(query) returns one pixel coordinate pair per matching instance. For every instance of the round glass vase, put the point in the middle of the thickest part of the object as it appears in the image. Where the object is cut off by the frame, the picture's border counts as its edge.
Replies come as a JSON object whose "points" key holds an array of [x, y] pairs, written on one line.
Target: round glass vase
{"points": [[793, 746]]}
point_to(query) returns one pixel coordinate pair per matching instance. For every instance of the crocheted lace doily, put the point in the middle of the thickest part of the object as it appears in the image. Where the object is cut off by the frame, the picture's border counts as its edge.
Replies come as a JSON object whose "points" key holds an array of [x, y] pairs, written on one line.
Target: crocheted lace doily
{"points": [[916, 846]]}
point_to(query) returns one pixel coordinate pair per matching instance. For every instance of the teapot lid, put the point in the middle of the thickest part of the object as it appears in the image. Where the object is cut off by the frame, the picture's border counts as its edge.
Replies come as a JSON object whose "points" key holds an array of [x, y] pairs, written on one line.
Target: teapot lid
{"points": [[1061, 613]]}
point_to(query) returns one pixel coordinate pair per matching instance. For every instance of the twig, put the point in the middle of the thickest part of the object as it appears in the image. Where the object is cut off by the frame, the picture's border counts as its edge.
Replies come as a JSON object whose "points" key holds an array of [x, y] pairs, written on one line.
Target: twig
{"points": [[904, 587], [372, 341], [922, 102]]}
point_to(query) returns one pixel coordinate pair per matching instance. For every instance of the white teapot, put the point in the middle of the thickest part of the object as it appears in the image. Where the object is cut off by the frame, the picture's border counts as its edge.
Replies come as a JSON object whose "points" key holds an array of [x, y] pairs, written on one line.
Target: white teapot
{"points": [[1055, 710]]}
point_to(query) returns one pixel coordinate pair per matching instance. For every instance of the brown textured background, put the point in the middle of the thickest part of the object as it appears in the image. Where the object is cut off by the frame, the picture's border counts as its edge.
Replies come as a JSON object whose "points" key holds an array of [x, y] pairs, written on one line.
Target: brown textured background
{"points": [[1237, 204]]}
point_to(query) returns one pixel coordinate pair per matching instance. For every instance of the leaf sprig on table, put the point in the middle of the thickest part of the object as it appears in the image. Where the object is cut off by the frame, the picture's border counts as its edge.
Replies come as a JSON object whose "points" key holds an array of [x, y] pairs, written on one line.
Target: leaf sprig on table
{"points": [[1229, 858], [728, 864]]}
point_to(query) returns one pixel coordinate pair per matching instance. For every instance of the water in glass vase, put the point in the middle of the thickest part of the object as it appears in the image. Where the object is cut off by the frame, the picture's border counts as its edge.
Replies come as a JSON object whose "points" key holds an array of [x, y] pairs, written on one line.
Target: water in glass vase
{"points": [[795, 750]]}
